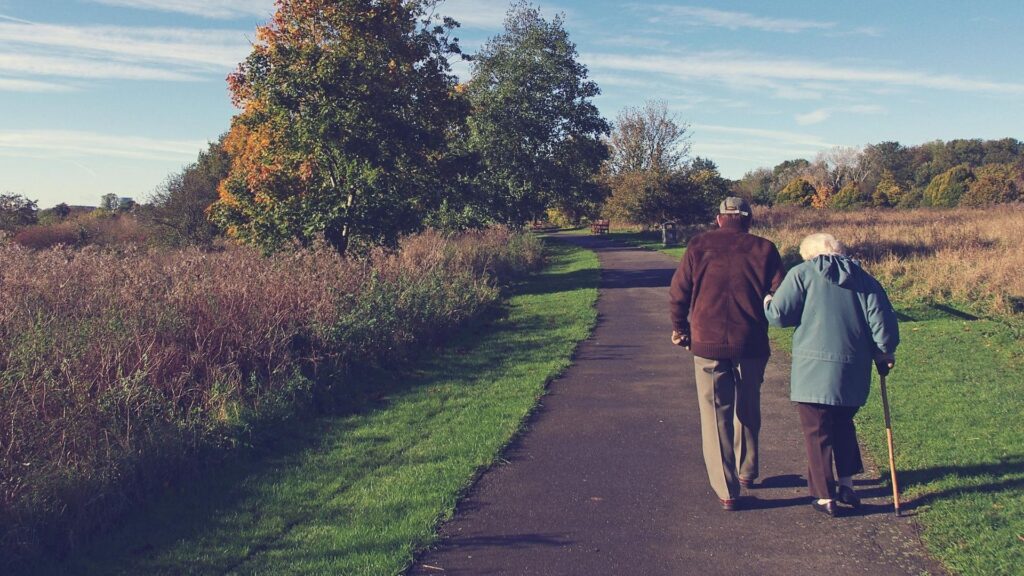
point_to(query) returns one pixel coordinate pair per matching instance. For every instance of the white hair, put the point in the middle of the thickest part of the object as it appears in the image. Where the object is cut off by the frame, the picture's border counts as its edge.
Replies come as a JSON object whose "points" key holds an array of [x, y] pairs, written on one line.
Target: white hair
{"points": [[818, 244]]}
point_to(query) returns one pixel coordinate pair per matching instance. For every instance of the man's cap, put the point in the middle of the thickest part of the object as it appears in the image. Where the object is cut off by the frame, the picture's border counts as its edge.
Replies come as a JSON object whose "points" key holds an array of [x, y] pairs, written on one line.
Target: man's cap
{"points": [[734, 205]]}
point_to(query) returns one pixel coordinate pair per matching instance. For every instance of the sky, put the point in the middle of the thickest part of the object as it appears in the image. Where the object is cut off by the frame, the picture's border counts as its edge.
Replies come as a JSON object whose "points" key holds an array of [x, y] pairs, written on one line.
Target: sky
{"points": [[101, 96]]}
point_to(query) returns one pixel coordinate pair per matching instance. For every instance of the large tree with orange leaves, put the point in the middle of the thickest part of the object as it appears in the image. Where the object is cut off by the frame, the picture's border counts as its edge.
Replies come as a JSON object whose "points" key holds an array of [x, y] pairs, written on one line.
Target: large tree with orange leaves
{"points": [[347, 111]]}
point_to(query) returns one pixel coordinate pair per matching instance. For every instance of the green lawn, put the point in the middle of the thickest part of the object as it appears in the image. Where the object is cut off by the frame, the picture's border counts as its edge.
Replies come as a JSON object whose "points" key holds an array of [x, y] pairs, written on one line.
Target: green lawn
{"points": [[359, 494], [650, 241]]}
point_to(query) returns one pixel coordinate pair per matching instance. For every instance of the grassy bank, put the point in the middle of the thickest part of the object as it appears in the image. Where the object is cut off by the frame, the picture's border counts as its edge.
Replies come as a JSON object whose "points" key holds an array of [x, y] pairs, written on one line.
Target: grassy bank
{"points": [[359, 494]]}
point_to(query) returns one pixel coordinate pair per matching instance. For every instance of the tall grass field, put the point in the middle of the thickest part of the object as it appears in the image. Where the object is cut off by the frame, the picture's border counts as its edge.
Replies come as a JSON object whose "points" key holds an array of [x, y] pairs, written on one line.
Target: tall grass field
{"points": [[122, 370], [361, 493]]}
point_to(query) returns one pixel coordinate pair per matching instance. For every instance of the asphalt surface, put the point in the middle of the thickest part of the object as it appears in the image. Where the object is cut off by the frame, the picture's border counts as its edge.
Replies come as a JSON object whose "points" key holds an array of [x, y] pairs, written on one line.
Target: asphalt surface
{"points": [[608, 476]]}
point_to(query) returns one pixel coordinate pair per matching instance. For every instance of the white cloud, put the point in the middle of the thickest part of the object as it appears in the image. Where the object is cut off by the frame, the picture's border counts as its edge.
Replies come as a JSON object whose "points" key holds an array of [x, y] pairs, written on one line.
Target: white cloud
{"points": [[779, 136], [815, 117], [746, 69], [488, 14], [214, 9], [70, 67], [20, 85], [13, 19], [753, 146], [73, 144], [33, 50], [206, 49], [735, 20], [864, 109], [822, 114]]}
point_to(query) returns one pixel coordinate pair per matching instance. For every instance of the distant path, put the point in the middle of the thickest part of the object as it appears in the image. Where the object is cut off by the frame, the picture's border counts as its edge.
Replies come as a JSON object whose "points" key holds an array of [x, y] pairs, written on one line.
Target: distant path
{"points": [[609, 478]]}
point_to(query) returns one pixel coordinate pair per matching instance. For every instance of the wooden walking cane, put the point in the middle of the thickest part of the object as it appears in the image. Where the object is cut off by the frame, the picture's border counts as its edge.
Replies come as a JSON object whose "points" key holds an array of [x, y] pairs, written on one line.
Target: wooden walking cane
{"points": [[892, 455]]}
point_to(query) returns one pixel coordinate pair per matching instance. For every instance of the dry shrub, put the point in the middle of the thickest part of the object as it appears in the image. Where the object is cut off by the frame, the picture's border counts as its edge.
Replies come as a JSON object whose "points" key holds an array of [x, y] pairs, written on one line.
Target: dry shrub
{"points": [[88, 229], [118, 365], [963, 255]]}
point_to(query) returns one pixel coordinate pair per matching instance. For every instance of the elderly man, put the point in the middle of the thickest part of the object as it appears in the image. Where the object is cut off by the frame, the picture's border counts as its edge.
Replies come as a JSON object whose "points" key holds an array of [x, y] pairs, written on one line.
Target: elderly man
{"points": [[716, 306]]}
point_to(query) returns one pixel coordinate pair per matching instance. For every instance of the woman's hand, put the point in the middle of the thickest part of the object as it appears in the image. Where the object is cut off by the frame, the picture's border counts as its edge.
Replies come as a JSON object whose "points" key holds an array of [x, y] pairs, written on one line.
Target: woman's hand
{"points": [[885, 362]]}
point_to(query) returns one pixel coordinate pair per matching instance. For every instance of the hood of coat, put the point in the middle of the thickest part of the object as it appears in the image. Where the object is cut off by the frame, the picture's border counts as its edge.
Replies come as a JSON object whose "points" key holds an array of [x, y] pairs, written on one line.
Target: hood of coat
{"points": [[836, 269]]}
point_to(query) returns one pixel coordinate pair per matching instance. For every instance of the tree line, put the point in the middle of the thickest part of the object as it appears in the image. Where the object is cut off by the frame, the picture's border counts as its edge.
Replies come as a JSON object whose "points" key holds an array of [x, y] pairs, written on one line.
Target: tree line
{"points": [[353, 128], [962, 172]]}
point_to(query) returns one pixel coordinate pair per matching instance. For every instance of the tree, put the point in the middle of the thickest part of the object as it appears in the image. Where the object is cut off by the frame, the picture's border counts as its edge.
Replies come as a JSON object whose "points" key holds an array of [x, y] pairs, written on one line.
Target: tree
{"points": [[704, 189], [945, 190], [533, 125], [847, 198], [648, 138], [1004, 151], [347, 108], [61, 211], [756, 185], [887, 192], [799, 192], [992, 184], [644, 170], [648, 197], [180, 205], [109, 202], [784, 172], [17, 211], [877, 159], [961, 151], [636, 197]]}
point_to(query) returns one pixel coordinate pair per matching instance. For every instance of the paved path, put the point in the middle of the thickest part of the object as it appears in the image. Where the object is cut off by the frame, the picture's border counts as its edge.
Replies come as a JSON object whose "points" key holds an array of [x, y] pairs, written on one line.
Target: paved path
{"points": [[608, 477]]}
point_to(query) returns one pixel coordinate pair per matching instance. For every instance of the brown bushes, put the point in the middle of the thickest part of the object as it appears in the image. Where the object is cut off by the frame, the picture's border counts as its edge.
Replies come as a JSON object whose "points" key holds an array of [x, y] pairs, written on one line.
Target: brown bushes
{"points": [[91, 229], [964, 255], [116, 365]]}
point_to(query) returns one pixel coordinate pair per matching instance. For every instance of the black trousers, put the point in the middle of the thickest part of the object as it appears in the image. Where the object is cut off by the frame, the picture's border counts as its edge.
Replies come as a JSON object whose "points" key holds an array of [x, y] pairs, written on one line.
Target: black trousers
{"points": [[829, 433]]}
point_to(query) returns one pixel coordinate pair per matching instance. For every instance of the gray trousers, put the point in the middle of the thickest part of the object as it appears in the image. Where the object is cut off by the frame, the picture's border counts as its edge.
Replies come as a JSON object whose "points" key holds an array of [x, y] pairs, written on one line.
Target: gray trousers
{"points": [[729, 396]]}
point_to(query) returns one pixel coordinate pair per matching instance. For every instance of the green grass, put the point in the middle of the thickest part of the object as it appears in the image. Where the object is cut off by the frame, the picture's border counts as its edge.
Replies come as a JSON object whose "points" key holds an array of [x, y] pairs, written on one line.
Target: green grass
{"points": [[649, 241], [359, 494], [957, 401]]}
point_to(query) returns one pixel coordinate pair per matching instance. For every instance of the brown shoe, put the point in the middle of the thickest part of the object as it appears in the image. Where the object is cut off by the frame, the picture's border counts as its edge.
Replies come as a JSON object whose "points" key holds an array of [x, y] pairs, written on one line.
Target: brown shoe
{"points": [[730, 504]]}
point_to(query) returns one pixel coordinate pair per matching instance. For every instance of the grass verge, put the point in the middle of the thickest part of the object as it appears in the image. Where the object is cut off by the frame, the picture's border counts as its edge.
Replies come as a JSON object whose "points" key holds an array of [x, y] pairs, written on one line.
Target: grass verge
{"points": [[956, 405], [359, 494]]}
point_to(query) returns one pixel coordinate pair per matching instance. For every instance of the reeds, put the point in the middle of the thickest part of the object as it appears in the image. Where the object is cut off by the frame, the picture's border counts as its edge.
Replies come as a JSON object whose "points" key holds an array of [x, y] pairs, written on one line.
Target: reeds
{"points": [[118, 365], [967, 256]]}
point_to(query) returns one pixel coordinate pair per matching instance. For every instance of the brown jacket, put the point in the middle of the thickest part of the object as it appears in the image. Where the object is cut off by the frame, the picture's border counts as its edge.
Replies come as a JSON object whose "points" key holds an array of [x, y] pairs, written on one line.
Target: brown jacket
{"points": [[718, 290]]}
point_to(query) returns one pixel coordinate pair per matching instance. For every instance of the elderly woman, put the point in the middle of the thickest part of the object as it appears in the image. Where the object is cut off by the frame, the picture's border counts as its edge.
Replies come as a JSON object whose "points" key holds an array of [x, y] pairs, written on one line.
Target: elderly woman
{"points": [[843, 321]]}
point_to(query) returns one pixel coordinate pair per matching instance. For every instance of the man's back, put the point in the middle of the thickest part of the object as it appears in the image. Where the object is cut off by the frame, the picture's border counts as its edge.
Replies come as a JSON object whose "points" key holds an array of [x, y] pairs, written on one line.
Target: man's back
{"points": [[716, 293]]}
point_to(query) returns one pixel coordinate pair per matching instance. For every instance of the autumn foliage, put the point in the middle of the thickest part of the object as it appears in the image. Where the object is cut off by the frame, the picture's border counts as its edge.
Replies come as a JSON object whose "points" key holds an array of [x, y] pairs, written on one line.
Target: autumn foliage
{"points": [[347, 108]]}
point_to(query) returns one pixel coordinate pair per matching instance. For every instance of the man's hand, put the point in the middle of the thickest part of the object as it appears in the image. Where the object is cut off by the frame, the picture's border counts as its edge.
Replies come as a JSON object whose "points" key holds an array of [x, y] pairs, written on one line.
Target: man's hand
{"points": [[884, 363], [680, 339], [768, 298]]}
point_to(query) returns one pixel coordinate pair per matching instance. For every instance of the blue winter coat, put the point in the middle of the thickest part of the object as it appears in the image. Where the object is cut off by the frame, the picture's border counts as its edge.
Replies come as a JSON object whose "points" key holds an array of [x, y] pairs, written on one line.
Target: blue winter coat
{"points": [[842, 317]]}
